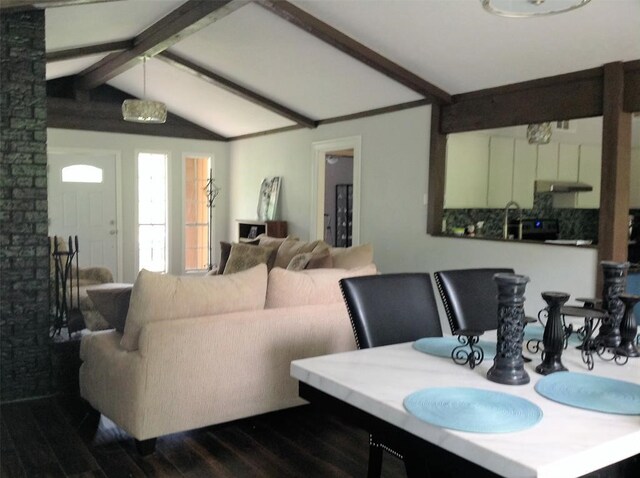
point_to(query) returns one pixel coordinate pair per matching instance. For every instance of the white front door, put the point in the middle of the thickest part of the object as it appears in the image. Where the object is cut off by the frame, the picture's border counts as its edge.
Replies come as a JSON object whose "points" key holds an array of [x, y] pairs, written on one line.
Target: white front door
{"points": [[82, 202]]}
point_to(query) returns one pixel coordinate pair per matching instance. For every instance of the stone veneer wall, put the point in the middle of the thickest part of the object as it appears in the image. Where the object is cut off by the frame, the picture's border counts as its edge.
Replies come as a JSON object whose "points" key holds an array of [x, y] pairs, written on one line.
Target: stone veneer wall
{"points": [[25, 347]]}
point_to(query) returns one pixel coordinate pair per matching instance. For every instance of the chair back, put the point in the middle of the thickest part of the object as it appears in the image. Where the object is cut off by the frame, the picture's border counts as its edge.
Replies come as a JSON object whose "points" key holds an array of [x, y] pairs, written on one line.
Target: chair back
{"points": [[470, 298], [391, 308]]}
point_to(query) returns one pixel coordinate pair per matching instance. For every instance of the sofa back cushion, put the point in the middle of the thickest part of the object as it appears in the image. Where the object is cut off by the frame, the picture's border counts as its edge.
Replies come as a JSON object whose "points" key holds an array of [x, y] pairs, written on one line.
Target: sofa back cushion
{"points": [[158, 297], [309, 287], [352, 257]]}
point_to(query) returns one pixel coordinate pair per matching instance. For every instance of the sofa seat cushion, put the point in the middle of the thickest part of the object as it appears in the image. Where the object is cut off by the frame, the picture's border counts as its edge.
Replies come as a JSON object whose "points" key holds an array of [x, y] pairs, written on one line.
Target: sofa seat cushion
{"points": [[158, 297], [309, 287]]}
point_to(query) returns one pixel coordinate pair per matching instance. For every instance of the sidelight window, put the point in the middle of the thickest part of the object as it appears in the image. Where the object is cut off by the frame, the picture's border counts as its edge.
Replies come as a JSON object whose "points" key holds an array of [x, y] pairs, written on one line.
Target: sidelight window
{"points": [[152, 212], [196, 213]]}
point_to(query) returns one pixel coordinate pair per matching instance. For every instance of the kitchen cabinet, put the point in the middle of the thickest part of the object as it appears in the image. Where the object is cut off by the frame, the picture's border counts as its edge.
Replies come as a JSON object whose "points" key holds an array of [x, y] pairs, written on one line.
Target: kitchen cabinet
{"points": [[634, 196], [500, 190], [467, 171], [547, 166], [524, 172], [589, 167]]}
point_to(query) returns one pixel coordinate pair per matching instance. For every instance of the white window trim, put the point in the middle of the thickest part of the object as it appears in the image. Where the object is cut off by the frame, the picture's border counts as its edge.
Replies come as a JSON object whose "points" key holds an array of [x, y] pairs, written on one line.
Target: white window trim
{"points": [[183, 239]]}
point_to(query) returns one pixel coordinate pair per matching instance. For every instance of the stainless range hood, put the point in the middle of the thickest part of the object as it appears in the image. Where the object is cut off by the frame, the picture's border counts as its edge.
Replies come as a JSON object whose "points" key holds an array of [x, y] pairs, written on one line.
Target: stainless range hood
{"points": [[546, 186]]}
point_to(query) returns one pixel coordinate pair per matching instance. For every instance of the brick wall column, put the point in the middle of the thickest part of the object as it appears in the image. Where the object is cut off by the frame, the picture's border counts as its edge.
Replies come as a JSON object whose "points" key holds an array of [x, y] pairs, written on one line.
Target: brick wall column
{"points": [[25, 361]]}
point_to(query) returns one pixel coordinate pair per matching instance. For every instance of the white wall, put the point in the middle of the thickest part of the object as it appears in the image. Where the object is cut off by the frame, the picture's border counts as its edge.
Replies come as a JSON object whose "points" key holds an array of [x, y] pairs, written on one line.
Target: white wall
{"points": [[395, 150], [127, 146]]}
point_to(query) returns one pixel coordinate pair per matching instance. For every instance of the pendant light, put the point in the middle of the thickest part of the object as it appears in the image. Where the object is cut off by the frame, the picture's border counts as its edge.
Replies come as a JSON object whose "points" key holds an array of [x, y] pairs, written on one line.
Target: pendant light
{"points": [[530, 8], [144, 111]]}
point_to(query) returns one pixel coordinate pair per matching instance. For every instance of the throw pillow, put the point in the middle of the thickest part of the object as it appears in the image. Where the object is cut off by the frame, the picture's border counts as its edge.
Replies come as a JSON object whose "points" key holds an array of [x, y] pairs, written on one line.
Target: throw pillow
{"points": [[320, 260], [291, 248], [112, 303], [275, 242], [225, 250], [309, 287], [157, 297], [299, 262], [352, 257], [245, 256]]}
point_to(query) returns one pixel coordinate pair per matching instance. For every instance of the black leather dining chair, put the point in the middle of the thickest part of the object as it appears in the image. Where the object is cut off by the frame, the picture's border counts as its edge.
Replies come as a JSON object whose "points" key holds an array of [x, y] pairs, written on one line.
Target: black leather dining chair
{"points": [[390, 309], [470, 298]]}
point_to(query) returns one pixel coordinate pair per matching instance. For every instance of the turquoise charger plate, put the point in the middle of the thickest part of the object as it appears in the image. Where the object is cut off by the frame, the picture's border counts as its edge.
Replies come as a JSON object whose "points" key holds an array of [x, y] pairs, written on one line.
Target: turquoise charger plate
{"points": [[473, 410], [443, 346], [591, 392]]}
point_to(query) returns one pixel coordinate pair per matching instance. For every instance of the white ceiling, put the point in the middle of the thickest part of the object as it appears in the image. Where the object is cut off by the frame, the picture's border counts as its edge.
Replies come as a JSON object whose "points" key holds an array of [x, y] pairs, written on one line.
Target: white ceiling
{"points": [[453, 44]]}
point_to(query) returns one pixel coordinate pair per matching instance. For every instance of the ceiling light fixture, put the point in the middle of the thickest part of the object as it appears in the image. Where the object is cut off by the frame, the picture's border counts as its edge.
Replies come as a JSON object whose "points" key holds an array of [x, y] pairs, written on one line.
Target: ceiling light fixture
{"points": [[530, 8], [539, 133], [144, 111]]}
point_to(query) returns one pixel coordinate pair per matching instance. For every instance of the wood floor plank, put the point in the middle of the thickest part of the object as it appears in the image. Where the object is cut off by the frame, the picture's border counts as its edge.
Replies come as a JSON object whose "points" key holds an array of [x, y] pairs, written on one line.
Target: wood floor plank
{"points": [[10, 464], [189, 460], [71, 452], [37, 457], [299, 442], [154, 465]]}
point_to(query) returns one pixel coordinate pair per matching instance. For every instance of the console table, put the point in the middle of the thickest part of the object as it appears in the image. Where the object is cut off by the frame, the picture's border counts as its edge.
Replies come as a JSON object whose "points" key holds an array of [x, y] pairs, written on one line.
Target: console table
{"points": [[248, 229], [370, 385]]}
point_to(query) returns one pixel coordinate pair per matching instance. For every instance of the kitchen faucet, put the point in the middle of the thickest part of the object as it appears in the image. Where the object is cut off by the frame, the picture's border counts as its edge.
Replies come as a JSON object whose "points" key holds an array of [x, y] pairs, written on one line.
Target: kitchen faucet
{"points": [[505, 226]]}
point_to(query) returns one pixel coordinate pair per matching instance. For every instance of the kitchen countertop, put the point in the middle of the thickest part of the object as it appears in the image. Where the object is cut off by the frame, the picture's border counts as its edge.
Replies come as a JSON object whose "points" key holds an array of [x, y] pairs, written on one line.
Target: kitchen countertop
{"points": [[524, 241]]}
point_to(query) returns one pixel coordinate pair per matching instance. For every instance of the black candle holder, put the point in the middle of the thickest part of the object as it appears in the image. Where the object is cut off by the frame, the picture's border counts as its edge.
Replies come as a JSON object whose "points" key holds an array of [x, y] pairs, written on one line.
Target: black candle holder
{"points": [[553, 339], [628, 326], [615, 280], [468, 352], [508, 364]]}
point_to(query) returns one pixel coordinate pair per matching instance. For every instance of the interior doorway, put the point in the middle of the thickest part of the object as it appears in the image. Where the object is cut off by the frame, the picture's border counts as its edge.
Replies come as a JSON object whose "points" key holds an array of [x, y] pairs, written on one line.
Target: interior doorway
{"points": [[335, 208], [338, 197], [83, 202]]}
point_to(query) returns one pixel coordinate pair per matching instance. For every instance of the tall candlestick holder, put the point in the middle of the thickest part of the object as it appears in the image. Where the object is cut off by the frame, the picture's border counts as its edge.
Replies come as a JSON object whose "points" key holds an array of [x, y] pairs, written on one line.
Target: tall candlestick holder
{"points": [[508, 364], [554, 334], [628, 326], [615, 281]]}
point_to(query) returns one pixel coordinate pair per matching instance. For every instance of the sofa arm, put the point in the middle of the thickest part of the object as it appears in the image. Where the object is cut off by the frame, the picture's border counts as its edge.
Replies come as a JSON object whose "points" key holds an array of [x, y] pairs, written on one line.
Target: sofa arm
{"points": [[214, 369], [112, 379], [98, 275]]}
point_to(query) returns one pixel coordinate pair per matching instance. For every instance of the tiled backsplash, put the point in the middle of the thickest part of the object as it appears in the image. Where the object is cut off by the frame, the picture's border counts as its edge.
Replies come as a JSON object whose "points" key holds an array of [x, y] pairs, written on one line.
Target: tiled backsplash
{"points": [[574, 223]]}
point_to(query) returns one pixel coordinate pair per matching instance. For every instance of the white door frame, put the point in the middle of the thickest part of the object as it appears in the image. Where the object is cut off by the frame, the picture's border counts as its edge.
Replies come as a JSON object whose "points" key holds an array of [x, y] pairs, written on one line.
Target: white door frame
{"points": [[320, 148], [118, 175]]}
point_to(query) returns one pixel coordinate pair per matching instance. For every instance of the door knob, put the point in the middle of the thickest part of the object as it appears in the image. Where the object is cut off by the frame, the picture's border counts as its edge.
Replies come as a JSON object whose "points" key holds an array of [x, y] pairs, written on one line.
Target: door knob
{"points": [[113, 232]]}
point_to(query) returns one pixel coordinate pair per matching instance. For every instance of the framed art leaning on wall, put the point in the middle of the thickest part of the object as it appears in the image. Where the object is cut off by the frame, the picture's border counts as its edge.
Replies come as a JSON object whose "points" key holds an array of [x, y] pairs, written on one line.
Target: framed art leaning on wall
{"points": [[268, 199]]}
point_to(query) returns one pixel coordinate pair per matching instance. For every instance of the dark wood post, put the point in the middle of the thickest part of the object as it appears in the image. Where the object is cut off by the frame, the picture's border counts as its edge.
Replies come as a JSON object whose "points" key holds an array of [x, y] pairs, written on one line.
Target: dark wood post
{"points": [[437, 167], [616, 168]]}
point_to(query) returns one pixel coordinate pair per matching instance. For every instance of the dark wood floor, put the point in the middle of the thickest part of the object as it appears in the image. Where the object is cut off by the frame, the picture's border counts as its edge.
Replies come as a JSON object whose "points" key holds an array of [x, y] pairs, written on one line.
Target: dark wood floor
{"points": [[52, 438]]}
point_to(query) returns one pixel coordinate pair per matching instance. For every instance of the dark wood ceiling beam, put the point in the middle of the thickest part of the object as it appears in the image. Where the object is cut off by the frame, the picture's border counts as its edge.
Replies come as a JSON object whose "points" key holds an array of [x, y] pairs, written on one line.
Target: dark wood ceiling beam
{"points": [[107, 117], [357, 50], [73, 53], [182, 22], [567, 96], [228, 85]]}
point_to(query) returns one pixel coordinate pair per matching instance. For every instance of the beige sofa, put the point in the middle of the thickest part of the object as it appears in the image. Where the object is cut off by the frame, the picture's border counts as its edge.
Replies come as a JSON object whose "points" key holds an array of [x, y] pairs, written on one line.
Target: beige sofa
{"points": [[197, 351]]}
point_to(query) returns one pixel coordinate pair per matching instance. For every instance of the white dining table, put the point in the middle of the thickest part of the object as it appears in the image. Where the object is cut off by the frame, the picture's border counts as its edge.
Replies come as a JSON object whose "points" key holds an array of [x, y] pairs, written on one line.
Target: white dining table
{"points": [[567, 442]]}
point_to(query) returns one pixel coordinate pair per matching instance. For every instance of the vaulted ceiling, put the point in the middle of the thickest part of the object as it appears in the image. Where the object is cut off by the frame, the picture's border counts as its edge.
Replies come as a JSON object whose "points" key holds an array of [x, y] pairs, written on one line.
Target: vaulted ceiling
{"points": [[237, 68]]}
